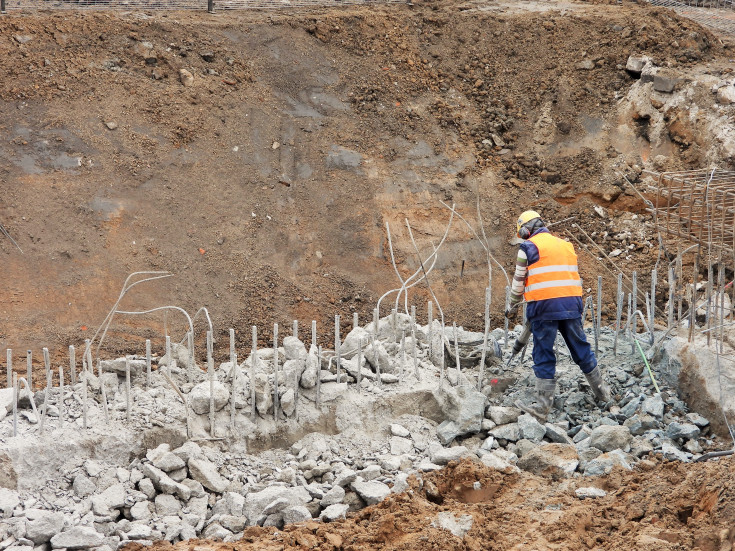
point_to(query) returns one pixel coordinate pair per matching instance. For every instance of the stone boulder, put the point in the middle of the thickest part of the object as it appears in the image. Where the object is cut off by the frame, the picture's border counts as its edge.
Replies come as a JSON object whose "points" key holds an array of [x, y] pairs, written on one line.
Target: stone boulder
{"points": [[199, 397], [44, 527], [294, 348], [371, 492], [463, 406], [551, 460], [608, 438], [205, 472], [78, 537]]}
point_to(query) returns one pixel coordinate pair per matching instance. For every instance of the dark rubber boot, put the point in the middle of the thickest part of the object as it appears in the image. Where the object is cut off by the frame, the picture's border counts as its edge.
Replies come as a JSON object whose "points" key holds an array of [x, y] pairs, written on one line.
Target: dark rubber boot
{"points": [[599, 387], [543, 400]]}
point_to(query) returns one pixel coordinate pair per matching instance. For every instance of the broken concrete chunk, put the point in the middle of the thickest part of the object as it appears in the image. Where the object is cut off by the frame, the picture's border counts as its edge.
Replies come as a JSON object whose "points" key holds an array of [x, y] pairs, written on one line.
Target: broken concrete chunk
{"points": [[530, 428], [502, 415], [205, 472], [590, 492], [199, 397], [635, 64], [78, 537], [45, 527], [603, 464], [682, 430], [458, 526], [169, 462], [442, 456], [399, 430], [371, 492], [333, 496], [665, 82], [608, 438], [552, 460], [334, 512]]}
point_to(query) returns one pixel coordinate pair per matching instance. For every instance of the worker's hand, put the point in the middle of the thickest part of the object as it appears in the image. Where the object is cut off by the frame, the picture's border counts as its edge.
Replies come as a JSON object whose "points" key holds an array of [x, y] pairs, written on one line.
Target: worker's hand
{"points": [[510, 313]]}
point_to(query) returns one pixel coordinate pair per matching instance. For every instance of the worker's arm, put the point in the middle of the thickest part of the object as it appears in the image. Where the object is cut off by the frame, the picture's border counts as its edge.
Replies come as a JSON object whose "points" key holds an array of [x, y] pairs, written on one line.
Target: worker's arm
{"points": [[519, 279]]}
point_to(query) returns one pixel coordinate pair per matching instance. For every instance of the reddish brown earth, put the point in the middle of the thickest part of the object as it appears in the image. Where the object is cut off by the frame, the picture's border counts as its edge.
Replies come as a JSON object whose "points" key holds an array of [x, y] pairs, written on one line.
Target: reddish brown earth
{"points": [[658, 506], [413, 90]]}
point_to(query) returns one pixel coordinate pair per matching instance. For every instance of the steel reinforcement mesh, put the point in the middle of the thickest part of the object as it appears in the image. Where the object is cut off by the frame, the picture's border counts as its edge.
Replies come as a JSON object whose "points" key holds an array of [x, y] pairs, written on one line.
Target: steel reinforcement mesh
{"points": [[16, 5], [717, 15]]}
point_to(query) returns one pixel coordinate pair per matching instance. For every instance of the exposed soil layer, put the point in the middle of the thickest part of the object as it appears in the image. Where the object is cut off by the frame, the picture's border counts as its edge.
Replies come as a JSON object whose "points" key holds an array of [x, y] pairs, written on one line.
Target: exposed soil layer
{"points": [[266, 183], [659, 505]]}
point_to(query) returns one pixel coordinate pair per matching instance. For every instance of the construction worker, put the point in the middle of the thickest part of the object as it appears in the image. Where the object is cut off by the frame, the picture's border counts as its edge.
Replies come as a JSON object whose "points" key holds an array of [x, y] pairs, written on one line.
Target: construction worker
{"points": [[547, 277]]}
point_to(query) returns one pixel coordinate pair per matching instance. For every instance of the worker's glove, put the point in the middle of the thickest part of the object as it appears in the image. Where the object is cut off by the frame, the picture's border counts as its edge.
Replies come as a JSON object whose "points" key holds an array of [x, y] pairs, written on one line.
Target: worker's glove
{"points": [[510, 313]]}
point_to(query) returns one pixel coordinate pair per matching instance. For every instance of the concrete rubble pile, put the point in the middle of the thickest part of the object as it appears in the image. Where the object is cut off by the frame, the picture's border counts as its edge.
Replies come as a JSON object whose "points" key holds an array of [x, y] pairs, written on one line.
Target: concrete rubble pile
{"points": [[176, 471]]}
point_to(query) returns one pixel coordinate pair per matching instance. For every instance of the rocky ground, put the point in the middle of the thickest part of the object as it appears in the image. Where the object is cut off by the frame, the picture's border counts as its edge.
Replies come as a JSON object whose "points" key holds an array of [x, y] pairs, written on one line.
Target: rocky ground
{"points": [[338, 448]]}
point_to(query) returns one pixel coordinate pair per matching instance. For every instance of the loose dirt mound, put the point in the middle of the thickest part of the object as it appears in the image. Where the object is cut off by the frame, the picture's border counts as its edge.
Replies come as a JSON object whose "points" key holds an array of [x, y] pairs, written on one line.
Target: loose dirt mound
{"points": [[662, 506]]}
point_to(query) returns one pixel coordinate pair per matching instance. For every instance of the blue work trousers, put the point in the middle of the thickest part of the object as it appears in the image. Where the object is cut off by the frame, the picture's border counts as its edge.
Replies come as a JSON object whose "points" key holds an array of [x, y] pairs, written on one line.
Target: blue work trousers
{"points": [[544, 335]]}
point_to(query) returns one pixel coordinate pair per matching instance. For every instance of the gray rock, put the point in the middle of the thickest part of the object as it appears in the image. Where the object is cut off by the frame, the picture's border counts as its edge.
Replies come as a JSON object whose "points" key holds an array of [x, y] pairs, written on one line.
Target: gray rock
{"points": [[295, 514], [496, 462], [458, 526], [510, 432], [205, 472], [288, 402], [640, 423], [371, 492], [530, 428], [725, 95], [45, 527], [665, 83], [672, 453], [112, 498], [188, 450], [400, 483], [697, 419], [139, 531], [199, 397], [216, 531], [590, 492], [608, 438], [294, 348], [140, 511], [463, 405], [9, 500], [167, 505], [78, 537], [345, 477], [334, 512], [502, 415], [586, 455], [275, 506], [554, 460], [654, 406], [371, 472], [169, 462], [308, 377], [335, 495], [442, 456], [635, 64], [678, 430], [146, 486], [164, 483], [255, 502], [604, 464], [399, 430], [557, 434], [83, 485], [232, 503], [118, 366]]}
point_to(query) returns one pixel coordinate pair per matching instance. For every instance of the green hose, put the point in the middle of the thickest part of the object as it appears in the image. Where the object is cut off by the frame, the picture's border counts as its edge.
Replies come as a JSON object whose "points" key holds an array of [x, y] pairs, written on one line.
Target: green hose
{"points": [[650, 373]]}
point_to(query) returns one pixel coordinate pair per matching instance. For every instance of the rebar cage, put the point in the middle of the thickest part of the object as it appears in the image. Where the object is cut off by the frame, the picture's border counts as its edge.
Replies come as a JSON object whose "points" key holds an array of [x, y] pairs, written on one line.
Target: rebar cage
{"points": [[698, 206]]}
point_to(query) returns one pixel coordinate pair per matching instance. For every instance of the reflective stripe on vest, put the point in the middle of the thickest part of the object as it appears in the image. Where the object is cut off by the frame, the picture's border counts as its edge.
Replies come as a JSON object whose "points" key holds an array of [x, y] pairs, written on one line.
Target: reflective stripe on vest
{"points": [[555, 274]]}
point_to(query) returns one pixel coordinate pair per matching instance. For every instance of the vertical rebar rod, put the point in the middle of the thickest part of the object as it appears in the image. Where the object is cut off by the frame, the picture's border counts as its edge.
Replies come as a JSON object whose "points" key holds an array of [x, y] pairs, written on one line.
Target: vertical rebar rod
{"points": [[649, 315], [190, 367], [84, 400], [693, 304], [313, 333], [481, 373], [47, 395], [168, 352], [102, 390], [376, 359], [127, 387], [29, 368], [355, 320], [210, 376], [401, 373], [295, 326], [276, 401], [147, 363], [61, 397], [337, 343], [394, 323], [708, 301], [359, 363], [654, 283], [236, 371], [376, 319], [253, 368], [88, 355], [505, 323], [635, 304], [15, 404], [235, 368], [670, 310], [73, 364], [456, 351], [430, 323], [679, 288], [618, 315], [9, 360], [318, 375], [598, 323], [414, 354], [629, 323], [46, 361]]}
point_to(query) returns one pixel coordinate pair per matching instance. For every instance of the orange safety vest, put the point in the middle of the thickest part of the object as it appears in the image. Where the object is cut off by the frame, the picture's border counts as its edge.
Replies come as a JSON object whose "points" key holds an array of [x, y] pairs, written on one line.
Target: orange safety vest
{"points": [[555, 274]]}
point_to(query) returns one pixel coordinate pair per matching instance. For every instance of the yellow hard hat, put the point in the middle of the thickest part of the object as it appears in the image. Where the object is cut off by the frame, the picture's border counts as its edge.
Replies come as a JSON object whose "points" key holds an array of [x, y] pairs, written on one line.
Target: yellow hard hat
{"points": [[524, 219]]}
